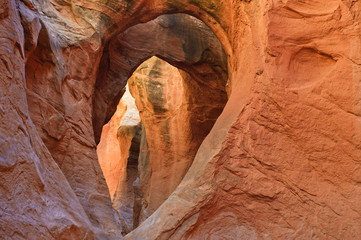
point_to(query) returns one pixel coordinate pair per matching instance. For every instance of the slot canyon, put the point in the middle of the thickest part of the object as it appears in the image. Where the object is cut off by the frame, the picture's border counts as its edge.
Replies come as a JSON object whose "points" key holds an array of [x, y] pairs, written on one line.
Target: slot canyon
{"points": [[180, 119]]}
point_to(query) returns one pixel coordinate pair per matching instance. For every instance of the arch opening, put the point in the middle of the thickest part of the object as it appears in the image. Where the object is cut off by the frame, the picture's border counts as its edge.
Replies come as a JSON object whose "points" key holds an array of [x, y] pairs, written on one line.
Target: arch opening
{"points": [[178, 78], [180, 39]]}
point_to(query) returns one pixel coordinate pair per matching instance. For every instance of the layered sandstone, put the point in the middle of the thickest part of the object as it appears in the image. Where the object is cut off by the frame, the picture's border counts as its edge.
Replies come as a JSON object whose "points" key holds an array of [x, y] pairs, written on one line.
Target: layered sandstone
{"points": [[158, 89], [282, 160], [36, 200]]}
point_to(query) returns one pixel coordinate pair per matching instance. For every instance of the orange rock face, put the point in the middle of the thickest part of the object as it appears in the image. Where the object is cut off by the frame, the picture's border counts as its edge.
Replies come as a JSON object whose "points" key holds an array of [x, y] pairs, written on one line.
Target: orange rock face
{"points": [[109, 151], [281, 162]]}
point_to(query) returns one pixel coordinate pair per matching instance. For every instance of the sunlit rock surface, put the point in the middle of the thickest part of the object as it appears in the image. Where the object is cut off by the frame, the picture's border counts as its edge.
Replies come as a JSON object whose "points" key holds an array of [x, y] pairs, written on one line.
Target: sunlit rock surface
{"points": [[116, 158], [110, 151]]}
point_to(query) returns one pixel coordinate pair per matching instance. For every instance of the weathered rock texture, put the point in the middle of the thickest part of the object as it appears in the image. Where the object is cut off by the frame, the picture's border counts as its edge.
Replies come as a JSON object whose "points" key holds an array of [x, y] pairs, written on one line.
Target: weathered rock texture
{"points": [[36, 200], [282, 161], [158, 89]]}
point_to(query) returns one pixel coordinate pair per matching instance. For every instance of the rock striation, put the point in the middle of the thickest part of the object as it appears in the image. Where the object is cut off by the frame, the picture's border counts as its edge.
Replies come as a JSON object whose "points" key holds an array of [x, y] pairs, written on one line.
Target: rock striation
{"points": [[282, 160]]}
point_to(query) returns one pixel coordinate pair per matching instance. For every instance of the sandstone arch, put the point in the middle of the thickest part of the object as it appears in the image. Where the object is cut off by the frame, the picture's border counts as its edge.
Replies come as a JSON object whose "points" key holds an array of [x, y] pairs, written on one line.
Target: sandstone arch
{"points": [[188, 44], [68, 143], [281, 162], [157, 38]]}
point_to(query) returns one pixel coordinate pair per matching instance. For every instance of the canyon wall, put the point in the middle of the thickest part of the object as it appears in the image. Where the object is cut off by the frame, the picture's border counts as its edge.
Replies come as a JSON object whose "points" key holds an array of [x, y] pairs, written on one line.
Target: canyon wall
{"points": [[36, 200], [282, 161]]}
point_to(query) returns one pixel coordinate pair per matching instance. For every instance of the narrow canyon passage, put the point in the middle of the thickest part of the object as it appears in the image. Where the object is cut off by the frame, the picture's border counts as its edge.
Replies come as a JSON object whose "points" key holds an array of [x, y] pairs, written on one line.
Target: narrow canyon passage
{"points": [[215, 119]]}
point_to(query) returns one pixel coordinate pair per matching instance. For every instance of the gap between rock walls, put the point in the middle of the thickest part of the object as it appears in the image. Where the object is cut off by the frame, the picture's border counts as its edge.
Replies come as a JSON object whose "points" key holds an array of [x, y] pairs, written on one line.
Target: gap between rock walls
{"points": [[165, 113]]}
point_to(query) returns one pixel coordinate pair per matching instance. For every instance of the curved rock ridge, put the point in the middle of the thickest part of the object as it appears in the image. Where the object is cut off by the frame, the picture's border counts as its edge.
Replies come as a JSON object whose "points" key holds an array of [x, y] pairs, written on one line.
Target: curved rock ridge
{"points": [[281, 162]]}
